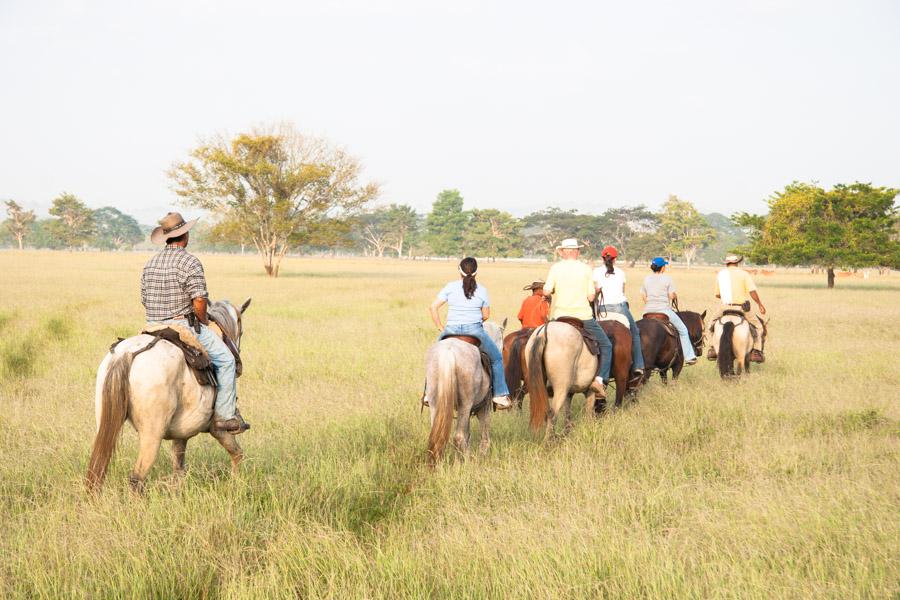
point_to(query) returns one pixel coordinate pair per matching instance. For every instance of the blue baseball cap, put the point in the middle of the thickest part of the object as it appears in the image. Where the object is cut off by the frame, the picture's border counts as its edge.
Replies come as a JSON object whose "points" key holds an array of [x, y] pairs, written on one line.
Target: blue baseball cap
{"points": [[659, 261]]}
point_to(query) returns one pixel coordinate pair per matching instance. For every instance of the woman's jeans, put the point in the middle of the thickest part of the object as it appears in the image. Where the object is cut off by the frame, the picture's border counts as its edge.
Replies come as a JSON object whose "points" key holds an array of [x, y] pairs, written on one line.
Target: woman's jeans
{"points": [[637, 356], [476, 330], [682, 333]]}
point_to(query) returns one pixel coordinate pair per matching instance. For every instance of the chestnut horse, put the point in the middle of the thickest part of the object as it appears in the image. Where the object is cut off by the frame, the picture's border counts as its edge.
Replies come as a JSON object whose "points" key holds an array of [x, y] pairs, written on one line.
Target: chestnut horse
{"points": [[514, 364], [620, 370]]}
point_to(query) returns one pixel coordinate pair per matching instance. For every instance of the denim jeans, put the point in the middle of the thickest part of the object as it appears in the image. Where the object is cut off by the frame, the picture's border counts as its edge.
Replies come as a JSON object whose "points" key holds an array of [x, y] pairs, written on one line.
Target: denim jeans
{"points": [[686, 345], [637, 356], [223, 363], [605, 348], [498, 377]]}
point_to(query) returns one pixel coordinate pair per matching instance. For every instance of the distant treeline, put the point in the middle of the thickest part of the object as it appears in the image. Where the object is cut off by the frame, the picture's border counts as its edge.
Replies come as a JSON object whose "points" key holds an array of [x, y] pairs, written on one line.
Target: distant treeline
{"points": [[678, 230]]}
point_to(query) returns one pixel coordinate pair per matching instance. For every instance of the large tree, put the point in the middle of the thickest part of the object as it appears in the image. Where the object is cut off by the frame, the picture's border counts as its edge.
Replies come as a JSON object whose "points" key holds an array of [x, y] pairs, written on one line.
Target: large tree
{"points": [[19, 222], [619, 226], [492, 233], [446, 224], [388, 227], [684, 230], [545, 229], [115, 230], [74, 223], [849, 226], [272, 184]]}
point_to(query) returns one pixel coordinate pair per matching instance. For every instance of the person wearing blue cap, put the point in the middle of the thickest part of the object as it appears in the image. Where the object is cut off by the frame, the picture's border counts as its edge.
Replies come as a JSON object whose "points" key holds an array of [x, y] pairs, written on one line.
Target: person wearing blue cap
{"points": [[658, 292]]}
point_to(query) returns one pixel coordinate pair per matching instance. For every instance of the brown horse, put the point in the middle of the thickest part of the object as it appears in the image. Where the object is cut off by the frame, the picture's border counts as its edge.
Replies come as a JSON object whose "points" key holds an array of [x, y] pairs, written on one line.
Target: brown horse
{"points": [[696, 326], [662, 350], [620, 336], [514, 364]]}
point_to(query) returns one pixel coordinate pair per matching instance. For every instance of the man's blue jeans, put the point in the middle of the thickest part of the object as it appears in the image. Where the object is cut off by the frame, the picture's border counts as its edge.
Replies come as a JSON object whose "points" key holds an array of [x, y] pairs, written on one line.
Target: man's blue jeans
{"points": [[498, 377], [637, 356], [223, 363], [686, 345]]}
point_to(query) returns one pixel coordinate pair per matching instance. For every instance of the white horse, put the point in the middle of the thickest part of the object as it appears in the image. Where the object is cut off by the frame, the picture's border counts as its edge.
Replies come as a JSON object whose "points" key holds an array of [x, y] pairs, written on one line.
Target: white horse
{"points": [[159, 394], [733, 342], [456, 381], [556, 357]]}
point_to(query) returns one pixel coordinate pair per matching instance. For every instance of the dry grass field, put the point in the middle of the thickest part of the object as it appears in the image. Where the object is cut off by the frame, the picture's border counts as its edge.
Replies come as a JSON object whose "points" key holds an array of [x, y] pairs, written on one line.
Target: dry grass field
{"points": [[785, 485]]}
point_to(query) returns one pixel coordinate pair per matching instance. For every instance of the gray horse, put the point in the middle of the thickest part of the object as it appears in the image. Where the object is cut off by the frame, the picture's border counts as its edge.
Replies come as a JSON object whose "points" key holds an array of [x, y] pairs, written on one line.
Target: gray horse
{"points": [[160, 395], [455, 380], [557, 358]]}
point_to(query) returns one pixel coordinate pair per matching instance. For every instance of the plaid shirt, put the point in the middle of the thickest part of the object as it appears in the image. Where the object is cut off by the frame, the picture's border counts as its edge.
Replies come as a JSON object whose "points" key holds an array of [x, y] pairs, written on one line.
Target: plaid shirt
{"points": [[170, 281]]}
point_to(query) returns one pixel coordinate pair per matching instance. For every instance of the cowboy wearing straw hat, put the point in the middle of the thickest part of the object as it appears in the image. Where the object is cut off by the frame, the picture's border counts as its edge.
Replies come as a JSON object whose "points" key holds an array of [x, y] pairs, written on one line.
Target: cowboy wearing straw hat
{"points": [[535, 308], [570, 283], [735, 288], [173, 289]]}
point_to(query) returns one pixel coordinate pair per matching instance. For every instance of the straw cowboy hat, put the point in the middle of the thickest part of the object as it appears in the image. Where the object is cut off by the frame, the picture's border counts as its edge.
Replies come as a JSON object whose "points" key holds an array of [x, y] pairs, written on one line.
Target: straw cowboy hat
{"points": [[569, 244], [535, 285], [171, 225], [733, 259]]}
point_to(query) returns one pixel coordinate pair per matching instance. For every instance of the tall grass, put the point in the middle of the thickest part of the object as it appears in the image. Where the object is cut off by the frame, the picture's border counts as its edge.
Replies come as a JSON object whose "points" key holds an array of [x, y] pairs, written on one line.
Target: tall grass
{"points": [[783, 485]]}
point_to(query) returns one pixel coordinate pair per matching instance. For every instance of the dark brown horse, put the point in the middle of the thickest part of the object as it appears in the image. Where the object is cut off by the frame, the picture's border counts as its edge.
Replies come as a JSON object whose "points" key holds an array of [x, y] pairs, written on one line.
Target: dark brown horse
{"points": [[620, 369], [514, 364], [662, 350], [696, 326]]}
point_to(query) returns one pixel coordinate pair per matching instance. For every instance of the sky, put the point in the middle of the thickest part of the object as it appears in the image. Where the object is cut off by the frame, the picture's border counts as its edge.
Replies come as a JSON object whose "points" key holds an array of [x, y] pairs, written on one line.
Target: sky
{"points": [[520, 105]]}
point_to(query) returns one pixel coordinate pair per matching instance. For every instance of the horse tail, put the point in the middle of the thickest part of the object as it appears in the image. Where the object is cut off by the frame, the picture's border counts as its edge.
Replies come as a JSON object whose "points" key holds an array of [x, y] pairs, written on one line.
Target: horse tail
{"points": [[445, 403], [537, 384], [513, 367], [725, 359], [114, 398]]}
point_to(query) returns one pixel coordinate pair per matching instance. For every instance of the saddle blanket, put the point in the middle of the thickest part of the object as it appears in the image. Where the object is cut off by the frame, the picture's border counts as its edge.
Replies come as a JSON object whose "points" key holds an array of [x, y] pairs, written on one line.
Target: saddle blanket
{"points": [[615, 317]]}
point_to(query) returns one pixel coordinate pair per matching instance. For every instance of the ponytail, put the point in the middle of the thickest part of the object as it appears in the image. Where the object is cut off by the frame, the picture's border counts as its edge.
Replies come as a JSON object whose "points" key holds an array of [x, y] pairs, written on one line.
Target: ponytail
{"points": [[468, 268], [608, 261]]}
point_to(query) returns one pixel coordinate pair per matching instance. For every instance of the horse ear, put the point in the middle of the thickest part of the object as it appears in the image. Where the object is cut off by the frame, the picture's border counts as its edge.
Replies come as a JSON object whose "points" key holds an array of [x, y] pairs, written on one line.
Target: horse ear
{"points": [[245, 305], [703, 315], [503, 325]]}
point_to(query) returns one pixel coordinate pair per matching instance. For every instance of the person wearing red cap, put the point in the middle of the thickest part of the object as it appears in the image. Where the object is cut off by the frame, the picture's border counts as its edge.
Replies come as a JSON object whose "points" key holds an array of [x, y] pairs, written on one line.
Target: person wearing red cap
{"points": [[610, 284]]}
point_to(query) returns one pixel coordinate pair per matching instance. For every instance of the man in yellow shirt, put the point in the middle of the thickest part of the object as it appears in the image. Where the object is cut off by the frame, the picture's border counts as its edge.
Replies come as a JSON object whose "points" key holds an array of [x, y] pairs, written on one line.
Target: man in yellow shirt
{"points": [[735, 288], [571, 284]]}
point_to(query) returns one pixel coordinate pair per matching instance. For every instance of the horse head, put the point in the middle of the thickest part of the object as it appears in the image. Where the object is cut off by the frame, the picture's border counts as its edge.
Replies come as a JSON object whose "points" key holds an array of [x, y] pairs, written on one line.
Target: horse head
{"points": [[229, 318]]}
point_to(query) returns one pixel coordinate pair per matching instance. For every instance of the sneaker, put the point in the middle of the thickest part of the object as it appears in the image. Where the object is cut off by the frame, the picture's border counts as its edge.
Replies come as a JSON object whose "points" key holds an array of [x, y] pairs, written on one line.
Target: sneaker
{"points": [[637, 373], [599, 388], [236, 425], [693, 361], [502, 402]]}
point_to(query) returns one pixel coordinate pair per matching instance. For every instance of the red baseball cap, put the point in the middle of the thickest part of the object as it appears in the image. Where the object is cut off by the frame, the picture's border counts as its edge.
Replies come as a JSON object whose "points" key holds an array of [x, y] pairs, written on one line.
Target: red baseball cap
{"points": [[610, 251]]}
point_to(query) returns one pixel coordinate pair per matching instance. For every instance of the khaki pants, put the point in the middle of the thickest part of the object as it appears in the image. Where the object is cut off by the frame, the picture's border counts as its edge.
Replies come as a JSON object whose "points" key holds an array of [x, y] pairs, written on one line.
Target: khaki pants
{"points": [[756, 321]]}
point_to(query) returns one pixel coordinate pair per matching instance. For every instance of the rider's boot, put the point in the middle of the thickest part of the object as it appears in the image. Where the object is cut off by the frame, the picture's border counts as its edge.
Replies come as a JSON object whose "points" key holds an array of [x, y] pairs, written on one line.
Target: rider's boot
{"points": [[235, 425], [599, 388]]}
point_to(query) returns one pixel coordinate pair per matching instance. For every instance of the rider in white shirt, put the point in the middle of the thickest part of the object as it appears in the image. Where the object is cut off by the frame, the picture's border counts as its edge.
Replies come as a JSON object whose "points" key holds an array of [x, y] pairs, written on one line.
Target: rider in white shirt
{"points": [[609, 281]]}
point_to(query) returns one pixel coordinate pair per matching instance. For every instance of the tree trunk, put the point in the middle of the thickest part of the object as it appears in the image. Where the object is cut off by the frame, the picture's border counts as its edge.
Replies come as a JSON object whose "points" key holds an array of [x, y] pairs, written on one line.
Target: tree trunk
{"points": [[830, 277], [21, 239]]}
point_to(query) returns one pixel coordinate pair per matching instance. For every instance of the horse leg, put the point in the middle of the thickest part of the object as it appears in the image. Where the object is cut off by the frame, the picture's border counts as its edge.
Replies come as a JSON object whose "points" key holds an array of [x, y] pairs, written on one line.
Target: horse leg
{"points": [[230, 443], [567, 427], [149, 442], [663, 377], [591, 403], [178, 450], [461, 439], [484, 423]]}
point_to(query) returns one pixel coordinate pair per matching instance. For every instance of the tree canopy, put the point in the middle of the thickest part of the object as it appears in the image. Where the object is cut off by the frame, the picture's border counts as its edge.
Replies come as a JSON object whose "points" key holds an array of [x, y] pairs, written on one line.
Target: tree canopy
{"points": [[113, 229], [272, 185], [74, 223], [446, 224], [683, 230], [19, 222], [849, 226]]}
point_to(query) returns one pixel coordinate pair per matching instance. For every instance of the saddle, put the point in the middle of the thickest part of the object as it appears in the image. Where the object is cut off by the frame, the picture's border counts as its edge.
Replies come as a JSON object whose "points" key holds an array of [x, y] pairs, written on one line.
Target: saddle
{"points": [[615, 317], [592, 344], [663, 318], [195, 354]]}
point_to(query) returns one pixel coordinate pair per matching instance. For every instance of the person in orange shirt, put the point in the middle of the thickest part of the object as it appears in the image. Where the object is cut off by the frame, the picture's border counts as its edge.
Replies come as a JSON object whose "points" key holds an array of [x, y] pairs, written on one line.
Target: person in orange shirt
{"points": [[535, 308]]}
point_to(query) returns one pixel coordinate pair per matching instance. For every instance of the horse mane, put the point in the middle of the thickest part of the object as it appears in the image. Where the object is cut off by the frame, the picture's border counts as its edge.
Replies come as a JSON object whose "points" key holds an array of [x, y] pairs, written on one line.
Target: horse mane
{"points": [[219, 313]]}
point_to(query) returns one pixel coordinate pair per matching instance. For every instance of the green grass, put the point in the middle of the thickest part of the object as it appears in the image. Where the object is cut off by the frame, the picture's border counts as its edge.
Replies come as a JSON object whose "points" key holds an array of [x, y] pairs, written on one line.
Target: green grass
{"points": [[785, 485]]}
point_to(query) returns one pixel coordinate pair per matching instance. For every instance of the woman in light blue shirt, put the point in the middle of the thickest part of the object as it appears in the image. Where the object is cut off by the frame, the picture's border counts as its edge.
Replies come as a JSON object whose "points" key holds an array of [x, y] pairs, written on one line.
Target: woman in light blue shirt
{"points": [[469, 306]]}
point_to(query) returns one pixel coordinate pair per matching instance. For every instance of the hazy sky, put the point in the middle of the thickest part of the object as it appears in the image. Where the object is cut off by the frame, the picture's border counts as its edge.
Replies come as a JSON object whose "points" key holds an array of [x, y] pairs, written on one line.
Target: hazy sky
{"points": [[520, 105]]}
